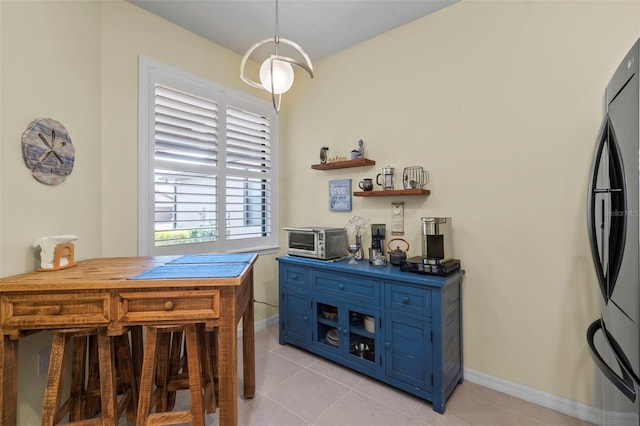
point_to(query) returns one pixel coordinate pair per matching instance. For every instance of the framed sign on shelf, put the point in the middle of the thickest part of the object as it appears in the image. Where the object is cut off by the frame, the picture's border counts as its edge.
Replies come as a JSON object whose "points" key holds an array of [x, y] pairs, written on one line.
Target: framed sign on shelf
{"points": [[340, 195]]}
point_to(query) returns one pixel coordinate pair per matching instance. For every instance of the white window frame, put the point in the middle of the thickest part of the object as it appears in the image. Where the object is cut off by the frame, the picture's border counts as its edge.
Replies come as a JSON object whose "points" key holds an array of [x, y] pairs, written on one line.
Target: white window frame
{"points": [[151, 72]]}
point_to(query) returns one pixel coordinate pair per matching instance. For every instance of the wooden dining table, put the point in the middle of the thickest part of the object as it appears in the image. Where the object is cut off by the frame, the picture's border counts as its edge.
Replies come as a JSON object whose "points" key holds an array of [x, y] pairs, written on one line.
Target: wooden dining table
{"points": [[100, 293]]}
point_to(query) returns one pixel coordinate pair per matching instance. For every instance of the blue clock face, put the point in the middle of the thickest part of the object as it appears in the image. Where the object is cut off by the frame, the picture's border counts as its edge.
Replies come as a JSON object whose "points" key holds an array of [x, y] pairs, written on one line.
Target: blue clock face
{"points": [[47, 151]]}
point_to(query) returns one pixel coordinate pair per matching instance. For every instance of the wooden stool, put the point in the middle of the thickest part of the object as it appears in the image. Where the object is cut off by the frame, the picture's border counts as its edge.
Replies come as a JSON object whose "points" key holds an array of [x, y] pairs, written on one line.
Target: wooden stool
{"points": [[84, 390], [176, 375], [167, 368], [128, 366]]}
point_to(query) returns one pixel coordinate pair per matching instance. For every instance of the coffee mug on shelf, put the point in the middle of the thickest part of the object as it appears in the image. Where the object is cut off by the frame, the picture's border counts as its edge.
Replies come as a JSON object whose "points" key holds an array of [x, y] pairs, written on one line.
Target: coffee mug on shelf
{"points": [[366, 184]]}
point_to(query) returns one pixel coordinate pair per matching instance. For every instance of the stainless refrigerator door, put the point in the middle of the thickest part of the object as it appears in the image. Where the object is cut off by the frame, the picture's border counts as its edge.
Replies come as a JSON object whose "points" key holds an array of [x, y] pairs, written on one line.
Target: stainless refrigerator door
{"points": [[613, 213], [614, 235], [621, 316], [623, 113], [615, 388]]}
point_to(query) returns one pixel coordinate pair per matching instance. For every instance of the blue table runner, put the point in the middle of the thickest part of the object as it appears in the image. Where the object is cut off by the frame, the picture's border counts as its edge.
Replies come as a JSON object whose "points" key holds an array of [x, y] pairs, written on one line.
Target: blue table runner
{"points": [[208, 270]]}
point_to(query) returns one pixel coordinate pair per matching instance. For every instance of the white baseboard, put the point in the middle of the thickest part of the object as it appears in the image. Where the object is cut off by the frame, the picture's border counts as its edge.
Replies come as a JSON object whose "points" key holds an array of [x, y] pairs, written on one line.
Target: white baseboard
{"points": [[260, 325], [563, 405]]}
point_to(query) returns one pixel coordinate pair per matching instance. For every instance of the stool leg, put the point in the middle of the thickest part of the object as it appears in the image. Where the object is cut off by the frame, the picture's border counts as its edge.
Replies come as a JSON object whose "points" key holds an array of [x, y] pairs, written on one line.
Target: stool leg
{"points": [[92, 402], [107, 380], [162, 371], [195, 383], [77, 394], [127, 377], [175, 364], [207, 369], [146, 377], [137, 349], [52, 392], [213, 349]]}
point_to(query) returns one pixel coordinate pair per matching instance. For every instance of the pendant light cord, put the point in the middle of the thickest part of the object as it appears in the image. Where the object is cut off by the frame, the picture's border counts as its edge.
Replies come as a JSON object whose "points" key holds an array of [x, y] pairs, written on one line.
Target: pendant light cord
{"points": [[277, 36]]}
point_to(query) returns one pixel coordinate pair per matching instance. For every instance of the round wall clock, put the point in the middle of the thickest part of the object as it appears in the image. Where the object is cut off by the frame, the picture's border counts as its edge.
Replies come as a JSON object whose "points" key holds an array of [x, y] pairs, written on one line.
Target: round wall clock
{"points": [[47, 151]]}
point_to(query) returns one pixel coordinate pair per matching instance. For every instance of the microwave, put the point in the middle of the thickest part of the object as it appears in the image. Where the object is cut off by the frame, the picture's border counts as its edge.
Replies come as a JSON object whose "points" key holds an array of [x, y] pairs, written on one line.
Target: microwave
{"points": [[317, 242]]}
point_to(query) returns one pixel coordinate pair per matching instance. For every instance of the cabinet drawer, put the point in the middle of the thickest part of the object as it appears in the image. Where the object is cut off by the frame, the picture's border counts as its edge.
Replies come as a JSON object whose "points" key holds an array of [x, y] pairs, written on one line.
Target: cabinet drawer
{"points": [[54, 310], [350, 287], [408, 299], [169, 306], [295, 277]]}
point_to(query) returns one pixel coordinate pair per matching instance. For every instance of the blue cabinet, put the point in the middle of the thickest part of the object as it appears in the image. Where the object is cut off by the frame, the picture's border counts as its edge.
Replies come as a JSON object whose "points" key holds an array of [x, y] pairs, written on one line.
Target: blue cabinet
{"points": [[401, 328]]}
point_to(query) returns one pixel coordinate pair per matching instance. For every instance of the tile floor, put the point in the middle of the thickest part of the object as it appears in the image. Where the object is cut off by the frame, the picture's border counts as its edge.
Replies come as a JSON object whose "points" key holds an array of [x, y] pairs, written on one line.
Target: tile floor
{"points": [[296, 388]]}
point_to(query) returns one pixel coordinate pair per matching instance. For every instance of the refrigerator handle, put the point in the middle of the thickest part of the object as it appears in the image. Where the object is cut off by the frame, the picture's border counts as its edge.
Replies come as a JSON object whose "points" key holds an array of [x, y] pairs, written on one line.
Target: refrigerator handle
{"points": [[624, 383], [618, 230], [616, 234], [592, 226]]}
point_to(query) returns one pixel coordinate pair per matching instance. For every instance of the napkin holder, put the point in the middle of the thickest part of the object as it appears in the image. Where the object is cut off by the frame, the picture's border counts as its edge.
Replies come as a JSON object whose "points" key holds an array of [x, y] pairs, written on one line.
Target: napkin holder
{"points": [[57, 252]]}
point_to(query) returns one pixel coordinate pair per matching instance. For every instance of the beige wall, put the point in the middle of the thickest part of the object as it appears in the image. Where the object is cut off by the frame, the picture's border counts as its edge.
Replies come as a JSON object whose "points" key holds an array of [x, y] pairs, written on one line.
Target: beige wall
{"points": [[50, 70], [50, 60], [501, 102]]}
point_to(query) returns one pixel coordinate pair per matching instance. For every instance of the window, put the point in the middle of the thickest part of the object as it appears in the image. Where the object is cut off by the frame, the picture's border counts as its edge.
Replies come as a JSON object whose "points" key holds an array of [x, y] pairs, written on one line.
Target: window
{"points": [[207, 159]]}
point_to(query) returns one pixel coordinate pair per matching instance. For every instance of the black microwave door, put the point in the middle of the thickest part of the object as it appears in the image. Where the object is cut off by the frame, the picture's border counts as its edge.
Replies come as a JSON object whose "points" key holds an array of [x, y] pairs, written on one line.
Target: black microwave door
{"points": [[606, 219]]}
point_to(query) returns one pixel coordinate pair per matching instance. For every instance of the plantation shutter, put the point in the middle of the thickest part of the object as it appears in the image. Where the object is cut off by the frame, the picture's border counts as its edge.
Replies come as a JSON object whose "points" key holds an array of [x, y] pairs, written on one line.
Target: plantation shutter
{"points": [[207, 166], [185, 155], [248, 174]]}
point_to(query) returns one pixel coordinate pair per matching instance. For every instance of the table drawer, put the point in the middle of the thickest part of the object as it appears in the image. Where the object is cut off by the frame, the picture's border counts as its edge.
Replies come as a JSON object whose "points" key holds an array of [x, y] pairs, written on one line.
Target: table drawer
{"points": [[54, 310], [351, 287], [408, 299], [168, 306]]}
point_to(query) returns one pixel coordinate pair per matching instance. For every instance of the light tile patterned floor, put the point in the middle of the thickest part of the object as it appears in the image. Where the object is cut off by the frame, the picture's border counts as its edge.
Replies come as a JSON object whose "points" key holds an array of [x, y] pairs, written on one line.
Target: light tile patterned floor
{"points": [[296, 388]]}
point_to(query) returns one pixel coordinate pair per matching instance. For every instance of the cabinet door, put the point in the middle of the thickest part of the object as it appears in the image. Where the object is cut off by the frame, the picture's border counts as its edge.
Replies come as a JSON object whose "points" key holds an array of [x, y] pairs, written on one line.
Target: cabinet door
{"points": [[364, 331], [295, 311], [408, 354], [295, 305], [340, 331]]}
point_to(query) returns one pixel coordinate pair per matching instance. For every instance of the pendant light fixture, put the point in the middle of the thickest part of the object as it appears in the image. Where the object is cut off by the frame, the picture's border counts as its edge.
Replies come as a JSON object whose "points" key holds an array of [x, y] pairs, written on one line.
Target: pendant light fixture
{"points": [[276, 72]]}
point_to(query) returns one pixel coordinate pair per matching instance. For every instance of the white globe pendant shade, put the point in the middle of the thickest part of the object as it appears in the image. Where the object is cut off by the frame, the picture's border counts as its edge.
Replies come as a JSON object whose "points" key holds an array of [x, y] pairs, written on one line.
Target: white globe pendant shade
{"points": [[282, 76], [279, 66]]}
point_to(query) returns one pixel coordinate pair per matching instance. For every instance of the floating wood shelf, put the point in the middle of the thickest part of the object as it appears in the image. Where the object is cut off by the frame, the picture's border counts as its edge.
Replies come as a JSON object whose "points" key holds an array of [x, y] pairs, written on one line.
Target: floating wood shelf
{"points": [[358, 162], [392, 192]]}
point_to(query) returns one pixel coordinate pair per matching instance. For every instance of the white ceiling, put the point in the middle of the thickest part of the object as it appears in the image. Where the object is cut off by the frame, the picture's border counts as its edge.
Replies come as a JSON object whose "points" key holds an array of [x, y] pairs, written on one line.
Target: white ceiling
{"points": [[321, 27]]}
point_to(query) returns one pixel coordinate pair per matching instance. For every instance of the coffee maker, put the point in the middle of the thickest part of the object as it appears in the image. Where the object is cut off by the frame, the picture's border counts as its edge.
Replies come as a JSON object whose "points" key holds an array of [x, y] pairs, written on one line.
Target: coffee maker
{"points": [[377, 241], [437, 249], [436, 239]]}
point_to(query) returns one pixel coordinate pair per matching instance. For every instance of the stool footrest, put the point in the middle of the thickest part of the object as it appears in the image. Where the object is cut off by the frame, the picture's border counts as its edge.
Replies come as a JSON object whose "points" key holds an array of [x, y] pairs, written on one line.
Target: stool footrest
{"points": [[169, 418]]}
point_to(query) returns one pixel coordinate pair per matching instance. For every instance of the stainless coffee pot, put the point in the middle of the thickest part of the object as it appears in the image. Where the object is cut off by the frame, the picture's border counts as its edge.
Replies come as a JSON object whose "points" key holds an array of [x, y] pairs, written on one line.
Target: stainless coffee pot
{"points": [[388, 178]]}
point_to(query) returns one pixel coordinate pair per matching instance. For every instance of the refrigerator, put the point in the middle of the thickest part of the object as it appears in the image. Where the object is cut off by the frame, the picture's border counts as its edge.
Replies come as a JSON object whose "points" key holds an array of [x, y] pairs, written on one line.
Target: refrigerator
{"points": [[612, 220]]}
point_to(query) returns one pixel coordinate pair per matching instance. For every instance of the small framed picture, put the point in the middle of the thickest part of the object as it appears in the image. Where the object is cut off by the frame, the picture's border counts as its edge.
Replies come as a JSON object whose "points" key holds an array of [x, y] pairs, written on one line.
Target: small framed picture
{"points": [[340, 195]]}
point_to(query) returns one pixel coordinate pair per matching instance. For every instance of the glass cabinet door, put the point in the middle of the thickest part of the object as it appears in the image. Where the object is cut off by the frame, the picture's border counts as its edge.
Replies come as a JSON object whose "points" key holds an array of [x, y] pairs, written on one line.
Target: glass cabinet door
{"points": [[328, 326], [348, 331], [362, 335]]}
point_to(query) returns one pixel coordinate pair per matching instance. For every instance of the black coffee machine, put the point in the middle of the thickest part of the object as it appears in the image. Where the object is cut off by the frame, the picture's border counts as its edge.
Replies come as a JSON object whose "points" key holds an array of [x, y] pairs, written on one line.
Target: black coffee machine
{"points": [[377, 240]]}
